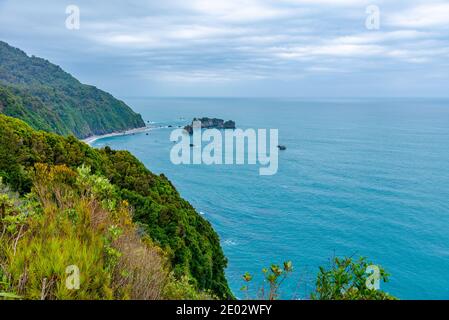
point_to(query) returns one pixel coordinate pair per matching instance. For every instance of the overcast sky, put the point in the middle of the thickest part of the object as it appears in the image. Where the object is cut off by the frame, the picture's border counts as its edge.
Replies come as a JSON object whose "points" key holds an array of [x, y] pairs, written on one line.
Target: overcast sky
{"points": [[305, 48]]}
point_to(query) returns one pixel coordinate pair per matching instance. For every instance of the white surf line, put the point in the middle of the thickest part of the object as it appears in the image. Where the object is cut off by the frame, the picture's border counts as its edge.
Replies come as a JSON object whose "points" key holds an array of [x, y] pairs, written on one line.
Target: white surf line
{"points": [[92, 139]]}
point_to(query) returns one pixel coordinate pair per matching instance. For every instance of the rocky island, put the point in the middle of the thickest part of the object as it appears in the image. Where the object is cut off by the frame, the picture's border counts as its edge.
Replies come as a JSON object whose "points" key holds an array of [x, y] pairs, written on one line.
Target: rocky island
{"points": [[211, 123]]}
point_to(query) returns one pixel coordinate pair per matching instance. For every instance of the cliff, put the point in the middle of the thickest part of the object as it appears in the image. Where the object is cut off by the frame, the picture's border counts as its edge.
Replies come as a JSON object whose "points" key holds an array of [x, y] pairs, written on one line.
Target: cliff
{"points": [[50, 99], [189, 241]]}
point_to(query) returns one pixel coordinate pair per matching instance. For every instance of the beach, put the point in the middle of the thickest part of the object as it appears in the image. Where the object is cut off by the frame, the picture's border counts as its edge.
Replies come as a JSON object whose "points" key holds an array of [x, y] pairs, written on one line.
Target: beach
{"points": [[92, 139]]}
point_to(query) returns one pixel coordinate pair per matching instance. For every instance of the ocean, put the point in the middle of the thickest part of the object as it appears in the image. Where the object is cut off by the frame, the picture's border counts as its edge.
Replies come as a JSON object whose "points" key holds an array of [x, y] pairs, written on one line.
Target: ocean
{"points": [[360, 177]]}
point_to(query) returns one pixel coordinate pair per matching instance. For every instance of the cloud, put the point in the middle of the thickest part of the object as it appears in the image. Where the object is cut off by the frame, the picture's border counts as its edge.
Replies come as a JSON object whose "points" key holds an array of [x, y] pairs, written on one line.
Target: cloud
{"points": [[321, 69], [197, 42], [239, 10], [128, 39], [345, 3], [380, 36], [422, 16], [334, 50]]}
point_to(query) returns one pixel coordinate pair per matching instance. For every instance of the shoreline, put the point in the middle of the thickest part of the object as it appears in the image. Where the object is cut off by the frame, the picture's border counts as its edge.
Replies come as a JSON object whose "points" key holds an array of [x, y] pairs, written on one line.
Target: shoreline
{"points": [[92, 139]]}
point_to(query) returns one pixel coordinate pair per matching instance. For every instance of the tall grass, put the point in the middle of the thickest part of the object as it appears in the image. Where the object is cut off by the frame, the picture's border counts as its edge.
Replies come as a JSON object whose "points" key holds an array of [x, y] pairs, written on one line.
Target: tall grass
{"points": [[75, 219]]}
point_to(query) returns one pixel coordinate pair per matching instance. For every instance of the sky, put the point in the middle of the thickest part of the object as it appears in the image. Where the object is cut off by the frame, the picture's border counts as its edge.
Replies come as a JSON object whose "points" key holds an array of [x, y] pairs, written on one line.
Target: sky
{"points": [[241, 48]]}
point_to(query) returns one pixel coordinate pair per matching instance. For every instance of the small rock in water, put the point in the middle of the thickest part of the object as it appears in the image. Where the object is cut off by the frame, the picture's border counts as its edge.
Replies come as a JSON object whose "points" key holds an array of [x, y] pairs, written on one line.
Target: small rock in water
{"points": [[281, 147]]}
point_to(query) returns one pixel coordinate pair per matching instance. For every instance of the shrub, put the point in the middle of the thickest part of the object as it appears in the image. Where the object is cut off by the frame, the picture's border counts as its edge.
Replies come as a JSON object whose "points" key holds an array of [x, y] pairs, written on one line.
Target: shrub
{"points": [[185, 289], [273, 277], [347, 279], [72, 225]]}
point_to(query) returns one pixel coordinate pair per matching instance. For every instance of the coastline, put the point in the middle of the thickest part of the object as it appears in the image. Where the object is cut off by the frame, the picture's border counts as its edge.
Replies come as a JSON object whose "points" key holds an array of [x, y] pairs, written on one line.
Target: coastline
{"points": [[92, 139]]}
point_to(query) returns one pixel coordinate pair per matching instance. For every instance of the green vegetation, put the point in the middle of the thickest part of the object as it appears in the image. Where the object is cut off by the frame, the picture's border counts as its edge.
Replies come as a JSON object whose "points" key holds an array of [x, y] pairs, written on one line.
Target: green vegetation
{"points": [[346, 279], [64, 186], [129, 233], [73, 220], [47, 98], [189, 242], [274, 277], [128, 230]]}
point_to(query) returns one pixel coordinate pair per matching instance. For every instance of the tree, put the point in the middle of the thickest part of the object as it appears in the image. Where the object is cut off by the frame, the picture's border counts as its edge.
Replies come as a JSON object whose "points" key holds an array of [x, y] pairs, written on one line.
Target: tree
{"points": [[349, 279], [274, 277]]}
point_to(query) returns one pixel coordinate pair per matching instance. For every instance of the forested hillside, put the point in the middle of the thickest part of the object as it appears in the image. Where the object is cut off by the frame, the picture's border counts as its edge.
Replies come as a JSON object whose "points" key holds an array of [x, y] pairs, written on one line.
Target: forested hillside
{"points": [[48, 98], [189, 242]]}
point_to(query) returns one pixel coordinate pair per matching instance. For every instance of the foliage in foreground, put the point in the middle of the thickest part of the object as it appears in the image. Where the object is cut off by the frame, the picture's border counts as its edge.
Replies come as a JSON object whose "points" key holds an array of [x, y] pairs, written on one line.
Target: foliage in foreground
{"points": [[192, 246], [76, 221], [273, 278], [346, 279], [349, 279]]}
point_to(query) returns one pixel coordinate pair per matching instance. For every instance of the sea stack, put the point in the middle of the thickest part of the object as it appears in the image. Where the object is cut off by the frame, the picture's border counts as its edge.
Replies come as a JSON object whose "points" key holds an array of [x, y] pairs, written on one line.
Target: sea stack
{"points": [[211, 123]]}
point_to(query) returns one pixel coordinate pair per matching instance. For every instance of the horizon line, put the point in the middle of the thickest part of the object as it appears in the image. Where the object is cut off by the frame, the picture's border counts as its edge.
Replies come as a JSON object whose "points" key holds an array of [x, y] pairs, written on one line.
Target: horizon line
{"points": [[280, 97]]}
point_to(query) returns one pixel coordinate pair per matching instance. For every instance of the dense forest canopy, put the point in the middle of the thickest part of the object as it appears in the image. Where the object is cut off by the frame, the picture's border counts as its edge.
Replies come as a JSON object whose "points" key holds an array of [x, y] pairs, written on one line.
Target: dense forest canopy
{"points": [[190, 242], [48, 98]]}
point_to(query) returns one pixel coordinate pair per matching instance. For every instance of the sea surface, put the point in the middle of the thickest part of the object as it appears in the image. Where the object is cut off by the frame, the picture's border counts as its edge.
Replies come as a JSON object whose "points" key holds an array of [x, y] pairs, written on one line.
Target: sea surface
{"points": [[360, 177]]}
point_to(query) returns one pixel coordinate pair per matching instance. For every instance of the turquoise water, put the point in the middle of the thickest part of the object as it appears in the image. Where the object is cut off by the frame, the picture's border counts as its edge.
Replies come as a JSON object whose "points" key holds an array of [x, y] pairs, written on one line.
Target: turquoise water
{"points": [[359, 177]]}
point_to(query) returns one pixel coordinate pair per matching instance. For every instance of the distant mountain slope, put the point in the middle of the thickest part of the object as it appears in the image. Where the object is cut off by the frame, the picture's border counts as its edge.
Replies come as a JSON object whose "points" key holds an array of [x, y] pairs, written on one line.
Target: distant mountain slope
{"points": [[48, 98]]}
